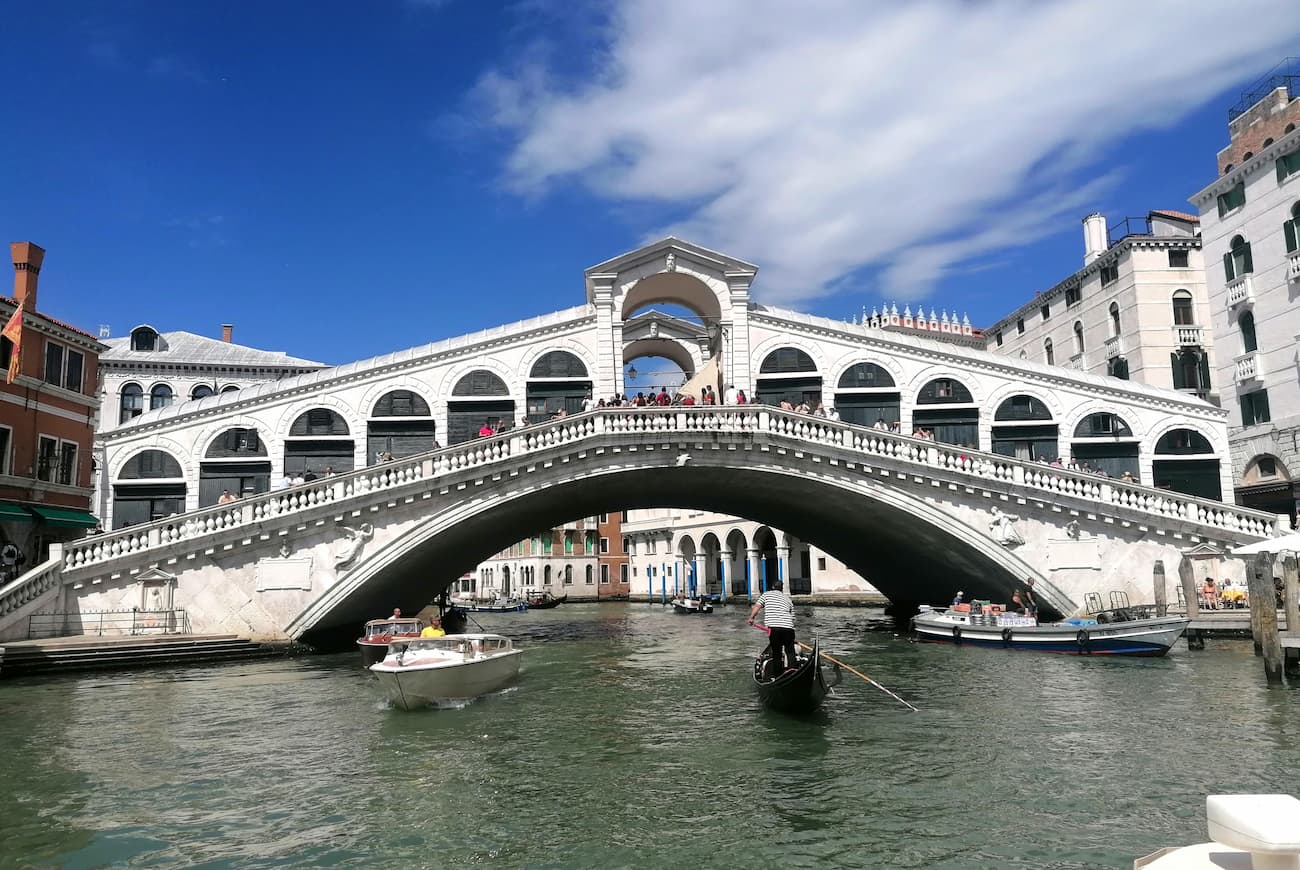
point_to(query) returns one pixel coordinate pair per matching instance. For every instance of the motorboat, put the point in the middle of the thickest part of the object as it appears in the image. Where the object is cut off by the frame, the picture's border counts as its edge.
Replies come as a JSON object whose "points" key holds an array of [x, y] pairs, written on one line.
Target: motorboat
{"points": [[1247, 830], [425, 670], [798, 690], [545, 601], [379, 633], [692, 605], [497, 605], [1121, 632]]}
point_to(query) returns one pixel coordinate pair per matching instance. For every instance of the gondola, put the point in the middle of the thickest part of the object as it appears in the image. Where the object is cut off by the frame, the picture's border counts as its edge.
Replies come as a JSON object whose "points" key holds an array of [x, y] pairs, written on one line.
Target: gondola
{"points": [[798, 691], [545, 601]]}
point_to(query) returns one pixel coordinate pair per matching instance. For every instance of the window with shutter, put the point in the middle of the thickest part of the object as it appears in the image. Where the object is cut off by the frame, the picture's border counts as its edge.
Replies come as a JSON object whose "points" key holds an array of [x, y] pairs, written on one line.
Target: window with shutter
{"points": [[1232, 199], [1291, 230], [1288, 165]]}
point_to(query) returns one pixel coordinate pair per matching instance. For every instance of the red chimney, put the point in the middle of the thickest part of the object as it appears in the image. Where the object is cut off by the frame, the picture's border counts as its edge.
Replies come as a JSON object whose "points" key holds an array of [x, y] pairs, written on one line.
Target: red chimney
{"points": [[27, 259], [227, 330]]}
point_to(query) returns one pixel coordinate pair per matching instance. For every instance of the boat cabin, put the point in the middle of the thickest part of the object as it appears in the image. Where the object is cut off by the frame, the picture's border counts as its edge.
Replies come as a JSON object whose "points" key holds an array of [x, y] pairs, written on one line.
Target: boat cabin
{"points": [[377, 628], [457, 647]]}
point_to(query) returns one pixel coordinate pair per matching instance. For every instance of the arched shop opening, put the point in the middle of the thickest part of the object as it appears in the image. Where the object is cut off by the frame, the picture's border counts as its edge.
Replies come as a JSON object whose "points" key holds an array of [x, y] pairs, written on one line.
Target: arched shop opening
{"points": [[683, 578], [319, 441], [478, 399], [737, 568], [710, 583], [235, 462], [400, 425], [1266, 485], [151, 486], [1023, 428], [944, 407], [788, 374], [1105, 443], [769, 564], [558, 382], [1185, 462], [866, 394], [800, 580]]}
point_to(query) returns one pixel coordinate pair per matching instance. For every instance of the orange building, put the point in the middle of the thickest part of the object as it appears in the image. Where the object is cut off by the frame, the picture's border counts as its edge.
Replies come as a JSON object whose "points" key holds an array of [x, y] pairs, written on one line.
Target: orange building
{"points": [[613, 558], [47, 425]]}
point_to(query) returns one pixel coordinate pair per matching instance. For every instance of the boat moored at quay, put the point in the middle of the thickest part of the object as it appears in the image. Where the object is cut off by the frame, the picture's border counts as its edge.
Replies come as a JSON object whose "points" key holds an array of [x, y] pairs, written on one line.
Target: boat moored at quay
{"points": [[1125, 632]]}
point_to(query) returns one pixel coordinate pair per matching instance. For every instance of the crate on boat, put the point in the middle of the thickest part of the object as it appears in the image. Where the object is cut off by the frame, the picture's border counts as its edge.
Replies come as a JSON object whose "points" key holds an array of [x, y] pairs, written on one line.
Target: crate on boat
{"points": [[1014, 620]]}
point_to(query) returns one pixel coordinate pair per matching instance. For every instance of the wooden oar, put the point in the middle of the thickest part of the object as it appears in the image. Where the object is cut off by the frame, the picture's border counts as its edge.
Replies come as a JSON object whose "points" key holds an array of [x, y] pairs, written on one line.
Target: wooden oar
{"points": [[851, 670]]}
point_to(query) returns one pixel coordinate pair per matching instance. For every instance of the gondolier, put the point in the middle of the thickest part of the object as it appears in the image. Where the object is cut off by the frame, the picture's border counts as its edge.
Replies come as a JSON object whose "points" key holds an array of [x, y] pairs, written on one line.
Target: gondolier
{"points": [[778, 616]]}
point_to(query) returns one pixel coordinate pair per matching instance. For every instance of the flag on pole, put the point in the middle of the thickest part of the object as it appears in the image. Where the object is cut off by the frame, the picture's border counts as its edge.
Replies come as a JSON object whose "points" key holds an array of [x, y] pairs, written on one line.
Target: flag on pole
{"points": [[14, 332]]}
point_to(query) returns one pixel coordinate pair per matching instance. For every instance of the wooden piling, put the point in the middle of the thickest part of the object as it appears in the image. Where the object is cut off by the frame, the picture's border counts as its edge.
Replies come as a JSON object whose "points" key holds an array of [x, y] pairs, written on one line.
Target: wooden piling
{"points": [[1187, 578], [1159, 589], [1263, 617], [1291, 609]]}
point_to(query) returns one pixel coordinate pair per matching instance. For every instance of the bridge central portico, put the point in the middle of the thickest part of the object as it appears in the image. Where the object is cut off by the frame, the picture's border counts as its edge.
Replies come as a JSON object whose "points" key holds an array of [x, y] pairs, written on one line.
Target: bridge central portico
{"points": [[976, 504]]}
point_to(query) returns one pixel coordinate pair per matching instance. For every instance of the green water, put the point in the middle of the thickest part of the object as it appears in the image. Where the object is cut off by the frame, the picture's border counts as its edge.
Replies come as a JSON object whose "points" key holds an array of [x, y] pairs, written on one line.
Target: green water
{"points": [[634, 739]]}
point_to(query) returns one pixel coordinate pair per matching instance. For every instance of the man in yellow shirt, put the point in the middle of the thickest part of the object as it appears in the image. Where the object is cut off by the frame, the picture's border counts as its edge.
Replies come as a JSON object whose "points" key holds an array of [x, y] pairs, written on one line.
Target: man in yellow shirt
{"points": [[434, 629]]}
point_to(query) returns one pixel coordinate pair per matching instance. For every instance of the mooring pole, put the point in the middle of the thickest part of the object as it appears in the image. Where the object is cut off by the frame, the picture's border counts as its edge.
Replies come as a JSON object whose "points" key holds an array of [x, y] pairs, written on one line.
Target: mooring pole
{"points": [[1263, 617], [1291, 609], [1159, 590], [1187, 579]]}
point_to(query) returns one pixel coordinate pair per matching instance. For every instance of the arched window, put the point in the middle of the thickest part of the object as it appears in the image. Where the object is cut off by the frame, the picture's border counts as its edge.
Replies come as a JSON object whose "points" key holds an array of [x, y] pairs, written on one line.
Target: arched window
{"points": [[1237, 261], [1103, 425], [318, 421], [1182, 441], [1078, 336], [1022, 407], [558, 364], [481, 382], [1184, 315], [144, 338], [151, 464], [1048, 353], [590, 575], [546, 575], [944, 391], [401, 403], [786, 360], [1246, 323], [132, 403], [568, 575], [1114, 319], [160, 396], [202, 391], [231, 388], [865, 375], [236, 442], [1291, 229]]}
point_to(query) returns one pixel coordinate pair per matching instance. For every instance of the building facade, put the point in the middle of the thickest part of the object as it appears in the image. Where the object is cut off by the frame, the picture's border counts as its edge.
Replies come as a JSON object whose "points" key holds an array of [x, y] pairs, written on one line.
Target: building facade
{"points": [[674, 550], [1250, 217], [47, 425], [1137, 309], [153, 371]]}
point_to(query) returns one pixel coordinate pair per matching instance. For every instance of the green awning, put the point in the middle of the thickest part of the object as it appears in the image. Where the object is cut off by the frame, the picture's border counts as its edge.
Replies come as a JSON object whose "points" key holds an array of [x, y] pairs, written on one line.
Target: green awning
{"points": [[14, 513], [64, 518]]}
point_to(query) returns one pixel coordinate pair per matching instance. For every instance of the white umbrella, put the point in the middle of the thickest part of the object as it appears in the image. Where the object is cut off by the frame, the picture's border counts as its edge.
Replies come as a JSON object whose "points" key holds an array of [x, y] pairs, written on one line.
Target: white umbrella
{"points": [[1290, 543]]}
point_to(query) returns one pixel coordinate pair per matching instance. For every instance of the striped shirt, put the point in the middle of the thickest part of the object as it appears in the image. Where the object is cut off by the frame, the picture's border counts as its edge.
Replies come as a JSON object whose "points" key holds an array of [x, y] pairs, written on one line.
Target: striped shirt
{"points": [[778, 609]]}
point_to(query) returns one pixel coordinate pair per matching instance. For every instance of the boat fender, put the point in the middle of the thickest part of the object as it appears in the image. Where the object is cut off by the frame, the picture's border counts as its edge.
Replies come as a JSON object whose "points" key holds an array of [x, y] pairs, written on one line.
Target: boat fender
{"points": [[956, 634], [1006, 637], [1082, 638]]}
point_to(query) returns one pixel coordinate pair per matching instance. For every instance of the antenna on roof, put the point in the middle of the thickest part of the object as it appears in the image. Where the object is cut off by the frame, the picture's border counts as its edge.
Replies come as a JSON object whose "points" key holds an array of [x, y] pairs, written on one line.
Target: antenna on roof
{"points": [[105, 331]]}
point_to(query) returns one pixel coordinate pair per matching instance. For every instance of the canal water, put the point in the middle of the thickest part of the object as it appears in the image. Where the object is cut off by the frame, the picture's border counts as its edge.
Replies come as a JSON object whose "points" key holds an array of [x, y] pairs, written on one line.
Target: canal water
{"points": [[634, 739]]}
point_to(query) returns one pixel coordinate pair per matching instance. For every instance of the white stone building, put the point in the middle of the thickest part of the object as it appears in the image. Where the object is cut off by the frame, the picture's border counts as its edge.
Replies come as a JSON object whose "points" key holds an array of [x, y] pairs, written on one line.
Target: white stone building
{"points": [[1137, 309], [1250, 219], [149, 370], [343, 417], [679, 549]]}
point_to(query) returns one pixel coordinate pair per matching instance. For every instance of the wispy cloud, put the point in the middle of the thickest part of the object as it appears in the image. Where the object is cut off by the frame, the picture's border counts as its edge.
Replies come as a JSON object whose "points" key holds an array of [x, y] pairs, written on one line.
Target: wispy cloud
{"points": [[908, 138], [200, 231]]}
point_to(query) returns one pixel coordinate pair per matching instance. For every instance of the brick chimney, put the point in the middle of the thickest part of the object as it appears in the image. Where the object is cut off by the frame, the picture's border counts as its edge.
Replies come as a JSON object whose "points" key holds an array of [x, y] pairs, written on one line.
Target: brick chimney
{"points": [[27, 259], [227, 332]]}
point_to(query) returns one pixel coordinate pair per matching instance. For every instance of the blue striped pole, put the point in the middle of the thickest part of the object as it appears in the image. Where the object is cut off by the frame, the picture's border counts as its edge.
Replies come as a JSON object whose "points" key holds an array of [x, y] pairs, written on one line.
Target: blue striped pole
{"points": [[722, 575], [763, 575], [749, 582], [695, 583]]}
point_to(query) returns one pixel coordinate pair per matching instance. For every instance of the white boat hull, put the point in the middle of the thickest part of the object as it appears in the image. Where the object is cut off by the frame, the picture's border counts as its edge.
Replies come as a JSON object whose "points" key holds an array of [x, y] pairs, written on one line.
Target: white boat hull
{"points": [[413, 686], [1139, 637]]}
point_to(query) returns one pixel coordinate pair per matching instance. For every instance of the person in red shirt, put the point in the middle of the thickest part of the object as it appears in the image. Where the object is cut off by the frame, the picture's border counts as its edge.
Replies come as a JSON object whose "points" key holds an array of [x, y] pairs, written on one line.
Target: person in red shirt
{"points": [[688, 399], [663, 399], [487, 431]]}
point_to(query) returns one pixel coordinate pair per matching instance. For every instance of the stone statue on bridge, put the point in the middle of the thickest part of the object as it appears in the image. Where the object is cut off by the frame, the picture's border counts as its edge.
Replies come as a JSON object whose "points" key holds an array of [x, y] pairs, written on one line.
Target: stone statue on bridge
{"points": [[1003, 529], [347, 549]]}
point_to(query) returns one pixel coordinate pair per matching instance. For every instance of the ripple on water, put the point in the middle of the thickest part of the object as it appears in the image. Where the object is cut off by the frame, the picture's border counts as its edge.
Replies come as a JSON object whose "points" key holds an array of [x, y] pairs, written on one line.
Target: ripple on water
{"points": [[633, 738]]}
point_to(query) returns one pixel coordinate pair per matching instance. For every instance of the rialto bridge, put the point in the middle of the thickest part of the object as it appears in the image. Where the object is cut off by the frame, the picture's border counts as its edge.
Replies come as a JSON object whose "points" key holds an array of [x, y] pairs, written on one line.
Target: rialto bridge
{"points": [[977, 507]]}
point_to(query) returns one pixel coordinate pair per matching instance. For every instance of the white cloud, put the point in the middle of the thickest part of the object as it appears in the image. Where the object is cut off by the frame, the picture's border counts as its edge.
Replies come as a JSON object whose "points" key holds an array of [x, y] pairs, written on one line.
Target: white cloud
{"points": [[822, 137]]}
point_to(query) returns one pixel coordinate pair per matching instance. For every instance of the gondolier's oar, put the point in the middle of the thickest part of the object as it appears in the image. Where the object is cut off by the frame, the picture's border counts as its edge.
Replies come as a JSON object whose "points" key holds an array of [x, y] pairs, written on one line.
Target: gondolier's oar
{"points": [[841, 664]]}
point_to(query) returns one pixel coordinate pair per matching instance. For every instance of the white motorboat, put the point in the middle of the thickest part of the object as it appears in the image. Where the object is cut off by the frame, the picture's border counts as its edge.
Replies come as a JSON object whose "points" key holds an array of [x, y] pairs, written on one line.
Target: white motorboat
{"points": [[1248, 830], [1117, 632], [422, 671]]}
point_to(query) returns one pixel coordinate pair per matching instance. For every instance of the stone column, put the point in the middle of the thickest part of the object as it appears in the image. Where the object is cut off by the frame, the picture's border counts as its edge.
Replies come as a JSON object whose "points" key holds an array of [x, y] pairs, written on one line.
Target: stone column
{"points": [[608, 377], [783, 566], [735, 357], [751, 572], [701, 573], [722, 573]]}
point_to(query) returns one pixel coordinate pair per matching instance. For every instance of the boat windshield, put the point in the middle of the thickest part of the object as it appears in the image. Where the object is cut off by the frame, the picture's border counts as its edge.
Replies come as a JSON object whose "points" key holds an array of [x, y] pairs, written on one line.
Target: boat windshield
{"points": [[485, 644], [392, 626]]}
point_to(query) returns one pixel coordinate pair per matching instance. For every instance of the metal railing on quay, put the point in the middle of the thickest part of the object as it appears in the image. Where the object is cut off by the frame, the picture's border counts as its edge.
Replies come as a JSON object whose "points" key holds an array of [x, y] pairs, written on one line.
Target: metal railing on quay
{"points": [[102, 622]]}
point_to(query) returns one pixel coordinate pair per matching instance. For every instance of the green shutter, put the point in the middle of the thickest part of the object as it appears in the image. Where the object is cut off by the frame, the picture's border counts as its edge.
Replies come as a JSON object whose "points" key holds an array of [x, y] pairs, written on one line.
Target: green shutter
{"points": [[1247, 265], [1178, 371], [1289, 230], [1204, 367], [1244, 402], [1261, 407], [1227, 266]]}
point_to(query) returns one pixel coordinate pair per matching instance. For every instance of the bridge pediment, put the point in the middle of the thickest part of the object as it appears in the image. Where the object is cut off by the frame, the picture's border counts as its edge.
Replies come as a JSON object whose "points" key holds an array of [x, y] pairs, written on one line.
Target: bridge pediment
{"points": [[672, 271]]}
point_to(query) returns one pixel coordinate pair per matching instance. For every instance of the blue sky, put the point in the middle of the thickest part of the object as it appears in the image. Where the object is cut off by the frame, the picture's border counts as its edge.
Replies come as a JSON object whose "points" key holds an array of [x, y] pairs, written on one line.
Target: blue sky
{"points": [[341, 180]]}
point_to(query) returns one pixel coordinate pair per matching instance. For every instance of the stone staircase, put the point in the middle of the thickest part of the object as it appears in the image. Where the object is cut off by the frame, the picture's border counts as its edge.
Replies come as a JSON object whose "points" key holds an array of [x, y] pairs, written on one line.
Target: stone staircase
{"points": [[89, 653]]}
